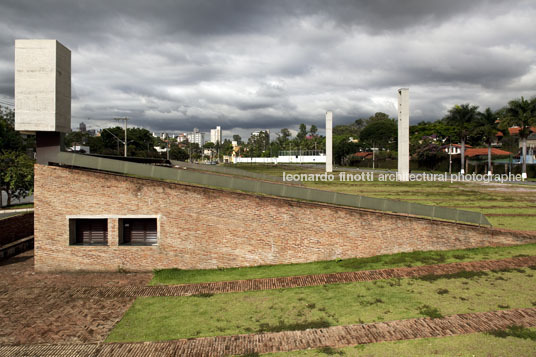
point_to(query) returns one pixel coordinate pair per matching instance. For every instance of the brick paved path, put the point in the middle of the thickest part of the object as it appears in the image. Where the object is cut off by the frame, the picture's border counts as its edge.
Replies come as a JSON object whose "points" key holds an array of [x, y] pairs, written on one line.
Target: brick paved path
{"points": [[337, 336], [41, 317], [83, 307], [273, 283]]}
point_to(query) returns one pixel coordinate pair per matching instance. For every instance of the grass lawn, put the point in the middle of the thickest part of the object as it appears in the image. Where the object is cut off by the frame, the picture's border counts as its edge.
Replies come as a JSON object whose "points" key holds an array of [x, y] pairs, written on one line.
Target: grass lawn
{"points": [[166, 318], [462, 195], [177, 276], [17, 206], [476, 344]]}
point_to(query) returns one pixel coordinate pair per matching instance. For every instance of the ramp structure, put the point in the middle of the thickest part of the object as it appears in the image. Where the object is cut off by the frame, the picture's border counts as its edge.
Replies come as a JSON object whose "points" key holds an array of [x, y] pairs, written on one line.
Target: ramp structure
{"points": [[99, 213]]}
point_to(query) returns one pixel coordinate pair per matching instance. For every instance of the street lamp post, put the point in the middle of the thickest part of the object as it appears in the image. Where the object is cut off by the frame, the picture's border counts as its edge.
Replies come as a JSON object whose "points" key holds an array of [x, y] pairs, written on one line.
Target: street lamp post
{"points": [[125, 120]]}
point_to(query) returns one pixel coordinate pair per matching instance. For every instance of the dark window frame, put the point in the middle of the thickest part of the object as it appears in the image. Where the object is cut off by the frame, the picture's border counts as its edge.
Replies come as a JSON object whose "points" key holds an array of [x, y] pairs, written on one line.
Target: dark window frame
{"points": [[138, 231], [89, 232]]}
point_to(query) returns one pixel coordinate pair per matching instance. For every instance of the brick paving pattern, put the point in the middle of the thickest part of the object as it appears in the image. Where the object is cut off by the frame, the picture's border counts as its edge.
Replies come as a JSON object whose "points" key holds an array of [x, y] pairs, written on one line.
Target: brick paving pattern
{"points": [[337, 336], [272, 283], [33, 309], [84, 307]]}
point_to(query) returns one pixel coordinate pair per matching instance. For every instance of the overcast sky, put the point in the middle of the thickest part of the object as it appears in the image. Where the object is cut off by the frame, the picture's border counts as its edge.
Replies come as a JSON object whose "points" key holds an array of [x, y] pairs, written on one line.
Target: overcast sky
{"points": [[244, 65]]}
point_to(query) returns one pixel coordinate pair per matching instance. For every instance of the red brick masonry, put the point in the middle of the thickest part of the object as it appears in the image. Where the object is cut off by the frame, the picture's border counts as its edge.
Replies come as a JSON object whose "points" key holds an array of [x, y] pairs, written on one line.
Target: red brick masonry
{"points": [[16, 227], [203, 228], [336, 336]]}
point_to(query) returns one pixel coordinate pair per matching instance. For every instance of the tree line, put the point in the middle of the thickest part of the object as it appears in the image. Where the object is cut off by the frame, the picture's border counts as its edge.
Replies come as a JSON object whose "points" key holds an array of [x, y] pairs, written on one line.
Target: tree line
{"points": [[16, 158]]}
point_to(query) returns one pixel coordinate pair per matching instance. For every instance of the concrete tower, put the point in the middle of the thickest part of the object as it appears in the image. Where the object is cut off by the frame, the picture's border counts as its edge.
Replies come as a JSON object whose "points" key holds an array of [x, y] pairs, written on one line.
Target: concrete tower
{"points": [[329, 142], [43, 93], [403, 134]]}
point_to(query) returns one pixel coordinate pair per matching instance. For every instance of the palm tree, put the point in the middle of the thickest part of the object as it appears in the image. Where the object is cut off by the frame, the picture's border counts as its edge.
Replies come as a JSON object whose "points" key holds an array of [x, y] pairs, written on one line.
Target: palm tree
{"points": [[521, 113], [487, 125], [463, 118]]}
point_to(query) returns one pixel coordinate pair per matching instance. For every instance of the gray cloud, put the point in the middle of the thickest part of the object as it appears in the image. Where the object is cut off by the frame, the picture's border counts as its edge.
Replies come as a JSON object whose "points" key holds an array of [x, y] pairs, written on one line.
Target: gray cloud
{"points": [[245, 65]]}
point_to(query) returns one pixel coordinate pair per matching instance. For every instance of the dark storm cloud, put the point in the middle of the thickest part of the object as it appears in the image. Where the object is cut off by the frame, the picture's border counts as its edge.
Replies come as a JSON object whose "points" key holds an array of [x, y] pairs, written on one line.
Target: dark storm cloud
{"points": [[246, 65]]}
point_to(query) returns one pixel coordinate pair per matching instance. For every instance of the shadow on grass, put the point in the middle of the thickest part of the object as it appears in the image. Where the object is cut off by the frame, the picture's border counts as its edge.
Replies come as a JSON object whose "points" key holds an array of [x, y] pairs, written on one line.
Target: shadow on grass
{"points": [[330, 351], [282, 326], [424, 258], [515, 331], [429, 311], [458, 275]]}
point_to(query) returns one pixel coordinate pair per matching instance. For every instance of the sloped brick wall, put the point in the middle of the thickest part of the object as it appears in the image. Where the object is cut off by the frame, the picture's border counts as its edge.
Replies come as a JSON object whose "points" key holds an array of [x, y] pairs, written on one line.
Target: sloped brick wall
{"points": [[208, 228]]}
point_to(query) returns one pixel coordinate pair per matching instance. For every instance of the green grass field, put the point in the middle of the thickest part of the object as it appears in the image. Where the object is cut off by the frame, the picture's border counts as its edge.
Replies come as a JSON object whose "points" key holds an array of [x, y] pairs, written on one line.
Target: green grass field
{"points": [[177, 276], [506, 199], [477, 344], [508, 206], [166, 318]]}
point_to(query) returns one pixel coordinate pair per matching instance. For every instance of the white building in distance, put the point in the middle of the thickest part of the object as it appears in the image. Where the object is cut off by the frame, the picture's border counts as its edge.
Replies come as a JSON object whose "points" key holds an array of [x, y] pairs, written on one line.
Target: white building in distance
{"points": [[196, 137], [257, 133], [182, 137], [215, 135]]}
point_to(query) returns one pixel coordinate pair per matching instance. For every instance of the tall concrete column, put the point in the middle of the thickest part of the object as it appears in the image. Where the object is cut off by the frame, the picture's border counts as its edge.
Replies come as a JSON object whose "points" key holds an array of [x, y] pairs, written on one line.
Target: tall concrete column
{"points": [[329, 142], [43, 94], [403, 134]]}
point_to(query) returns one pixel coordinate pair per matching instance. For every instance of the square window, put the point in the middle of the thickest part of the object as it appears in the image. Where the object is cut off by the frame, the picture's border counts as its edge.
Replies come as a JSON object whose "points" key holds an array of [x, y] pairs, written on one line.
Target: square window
{"points": [[138, 231], [88, 231]]}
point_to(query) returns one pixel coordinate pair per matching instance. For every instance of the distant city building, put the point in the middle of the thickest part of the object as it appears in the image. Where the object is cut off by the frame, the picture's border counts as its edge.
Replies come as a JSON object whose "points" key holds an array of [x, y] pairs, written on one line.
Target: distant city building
{"points": [[83, 149], [454, 149], [182, 137], [257, 133], [196, 137], [82, 127], [215, 135], [234, 143]]}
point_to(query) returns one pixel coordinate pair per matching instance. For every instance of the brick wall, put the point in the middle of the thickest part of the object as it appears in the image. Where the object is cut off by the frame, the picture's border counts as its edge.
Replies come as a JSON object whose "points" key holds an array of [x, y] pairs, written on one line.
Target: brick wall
{"points": [[208, 228], [16, 227]]}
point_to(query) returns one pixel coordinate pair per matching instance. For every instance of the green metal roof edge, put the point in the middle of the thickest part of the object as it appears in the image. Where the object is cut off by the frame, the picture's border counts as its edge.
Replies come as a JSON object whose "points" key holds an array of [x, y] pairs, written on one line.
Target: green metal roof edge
{"points": [[228, 171], [271, 188]]}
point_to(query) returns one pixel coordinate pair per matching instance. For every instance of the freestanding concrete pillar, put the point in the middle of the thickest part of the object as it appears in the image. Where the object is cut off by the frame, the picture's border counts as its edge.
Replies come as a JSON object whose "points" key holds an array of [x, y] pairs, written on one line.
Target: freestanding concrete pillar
{"points": [[43, 93], [329, 142], [403, 134]]}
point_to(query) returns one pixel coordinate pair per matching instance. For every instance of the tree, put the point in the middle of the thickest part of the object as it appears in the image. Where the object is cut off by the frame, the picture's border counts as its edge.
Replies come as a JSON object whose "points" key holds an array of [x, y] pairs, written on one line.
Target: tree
{"points": [[313, 130], [283, 138], [10, 140], [238, 139], [352, 130], [487, 127], [194, 151], [141, 142], [227, 147], [258, 144], [378, 116], [342, 148], [441, 130], [380, 133], [176, 153], [463, 118], [76, 138], [209, 146], [16, 175], [521, 113], [302, 132]]}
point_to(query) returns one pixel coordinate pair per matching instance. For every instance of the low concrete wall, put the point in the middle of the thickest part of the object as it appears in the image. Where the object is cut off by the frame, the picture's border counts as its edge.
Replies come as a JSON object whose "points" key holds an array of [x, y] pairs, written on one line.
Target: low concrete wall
{"points": [[208, 228], [16, 227]]}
